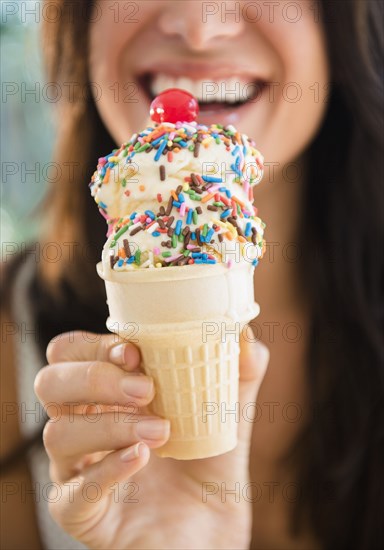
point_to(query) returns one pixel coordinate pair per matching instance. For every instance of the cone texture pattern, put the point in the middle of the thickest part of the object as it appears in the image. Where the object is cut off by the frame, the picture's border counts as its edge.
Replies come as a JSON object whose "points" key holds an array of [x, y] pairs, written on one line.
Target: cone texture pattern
{"points": [[196, 386]]}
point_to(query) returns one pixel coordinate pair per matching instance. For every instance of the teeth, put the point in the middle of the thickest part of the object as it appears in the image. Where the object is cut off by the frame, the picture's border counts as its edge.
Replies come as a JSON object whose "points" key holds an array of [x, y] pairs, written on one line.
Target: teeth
{"points": [[231, 90], [186, 84], [162, 82]]}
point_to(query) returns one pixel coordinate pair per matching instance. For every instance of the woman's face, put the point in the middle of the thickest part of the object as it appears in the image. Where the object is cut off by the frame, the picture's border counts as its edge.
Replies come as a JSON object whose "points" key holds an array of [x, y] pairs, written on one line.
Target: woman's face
{"points": [[261, 66]]}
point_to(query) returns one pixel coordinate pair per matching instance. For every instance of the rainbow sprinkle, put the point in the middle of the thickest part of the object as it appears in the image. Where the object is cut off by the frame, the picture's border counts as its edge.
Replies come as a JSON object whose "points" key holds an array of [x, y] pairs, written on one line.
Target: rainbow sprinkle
{"points": [[179, 238]]}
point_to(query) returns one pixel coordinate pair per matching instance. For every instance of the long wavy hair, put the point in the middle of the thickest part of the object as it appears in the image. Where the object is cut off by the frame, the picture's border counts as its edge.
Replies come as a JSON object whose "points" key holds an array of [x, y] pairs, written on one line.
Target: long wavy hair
{"points": [[342, 220]]}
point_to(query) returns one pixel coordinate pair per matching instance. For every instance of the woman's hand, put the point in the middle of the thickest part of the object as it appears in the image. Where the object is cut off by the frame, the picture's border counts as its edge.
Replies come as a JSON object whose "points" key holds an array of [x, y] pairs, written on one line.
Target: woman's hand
{"points": [[114, 492]]}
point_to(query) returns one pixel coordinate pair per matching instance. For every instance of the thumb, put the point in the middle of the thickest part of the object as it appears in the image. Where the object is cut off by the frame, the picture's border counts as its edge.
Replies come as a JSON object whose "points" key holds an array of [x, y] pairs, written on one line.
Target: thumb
{"points": [[86, 346], [254, 358]]}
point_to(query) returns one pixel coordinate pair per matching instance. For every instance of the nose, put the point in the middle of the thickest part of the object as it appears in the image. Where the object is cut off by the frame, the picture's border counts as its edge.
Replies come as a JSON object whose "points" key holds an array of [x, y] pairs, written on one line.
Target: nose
{"points": [[199, 23]]}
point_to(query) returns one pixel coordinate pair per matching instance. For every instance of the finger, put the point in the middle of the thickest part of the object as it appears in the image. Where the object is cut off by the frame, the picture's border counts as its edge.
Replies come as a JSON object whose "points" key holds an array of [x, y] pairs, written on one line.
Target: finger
{"points": [[91, 382], [77, 514], [254, 358], [68, 440], [86, 346]]}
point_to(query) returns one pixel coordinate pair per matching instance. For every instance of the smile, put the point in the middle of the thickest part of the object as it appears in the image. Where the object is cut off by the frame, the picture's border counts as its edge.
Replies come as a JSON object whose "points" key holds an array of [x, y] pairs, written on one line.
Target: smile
{"points": [[214, 94]]}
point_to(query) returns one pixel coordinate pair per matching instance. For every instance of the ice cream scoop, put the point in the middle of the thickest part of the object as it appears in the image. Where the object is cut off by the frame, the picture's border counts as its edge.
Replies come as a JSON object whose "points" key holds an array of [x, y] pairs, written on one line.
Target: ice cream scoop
{"points": [[180, 193]]}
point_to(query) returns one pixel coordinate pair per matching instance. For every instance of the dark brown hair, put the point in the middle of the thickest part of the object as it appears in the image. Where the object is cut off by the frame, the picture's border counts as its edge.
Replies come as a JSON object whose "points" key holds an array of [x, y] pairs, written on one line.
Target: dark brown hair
{"points": [[342, 220], [342, 452]]}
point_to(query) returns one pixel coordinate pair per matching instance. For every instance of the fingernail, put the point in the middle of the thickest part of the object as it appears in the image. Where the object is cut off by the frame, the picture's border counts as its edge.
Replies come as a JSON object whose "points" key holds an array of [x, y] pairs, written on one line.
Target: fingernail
{"points": [[125, 354], [156, 428], [117, 354], [132, 453], [137, 386]]}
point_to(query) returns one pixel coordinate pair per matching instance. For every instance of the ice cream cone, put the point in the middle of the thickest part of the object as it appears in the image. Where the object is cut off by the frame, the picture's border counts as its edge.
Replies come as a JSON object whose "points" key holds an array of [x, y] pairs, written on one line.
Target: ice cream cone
{"points": [[187, 320]]}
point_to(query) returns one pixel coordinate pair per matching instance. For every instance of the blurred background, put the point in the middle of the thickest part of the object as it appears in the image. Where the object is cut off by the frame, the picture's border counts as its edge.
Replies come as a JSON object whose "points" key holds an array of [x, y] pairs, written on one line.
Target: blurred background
{"points": [[26, 120]]}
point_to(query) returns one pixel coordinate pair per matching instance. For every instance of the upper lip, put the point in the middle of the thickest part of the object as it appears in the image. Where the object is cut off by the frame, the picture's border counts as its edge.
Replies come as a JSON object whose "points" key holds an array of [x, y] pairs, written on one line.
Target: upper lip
{"points": [[197, 71]]}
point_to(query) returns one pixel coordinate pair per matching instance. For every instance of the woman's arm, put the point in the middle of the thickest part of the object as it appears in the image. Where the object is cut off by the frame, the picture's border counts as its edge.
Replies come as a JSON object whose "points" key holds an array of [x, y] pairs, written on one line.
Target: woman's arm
{"points": [[18, 526]]}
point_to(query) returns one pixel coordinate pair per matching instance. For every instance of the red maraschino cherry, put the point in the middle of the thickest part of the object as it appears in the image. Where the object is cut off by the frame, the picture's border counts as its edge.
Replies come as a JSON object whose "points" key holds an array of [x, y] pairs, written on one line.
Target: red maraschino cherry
{"points": [[174, 105]]}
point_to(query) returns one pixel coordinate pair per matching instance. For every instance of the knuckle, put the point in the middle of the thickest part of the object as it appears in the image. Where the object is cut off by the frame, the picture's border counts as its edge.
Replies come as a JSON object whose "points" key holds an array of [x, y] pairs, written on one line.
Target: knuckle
{"points": [[55, 438], [42, 383], [51, 435], [51, 350], [55, 346], [94, 376]]}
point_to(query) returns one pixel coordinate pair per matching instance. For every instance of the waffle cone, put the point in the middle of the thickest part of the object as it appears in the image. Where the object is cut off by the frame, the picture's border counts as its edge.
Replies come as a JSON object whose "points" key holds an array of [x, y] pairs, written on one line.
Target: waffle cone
{"points": [[187, 323]]}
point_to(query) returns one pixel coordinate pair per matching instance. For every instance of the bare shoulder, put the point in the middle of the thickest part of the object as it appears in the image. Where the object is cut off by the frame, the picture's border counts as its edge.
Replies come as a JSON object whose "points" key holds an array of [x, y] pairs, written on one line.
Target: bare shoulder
{"points": [[17, 504]]}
